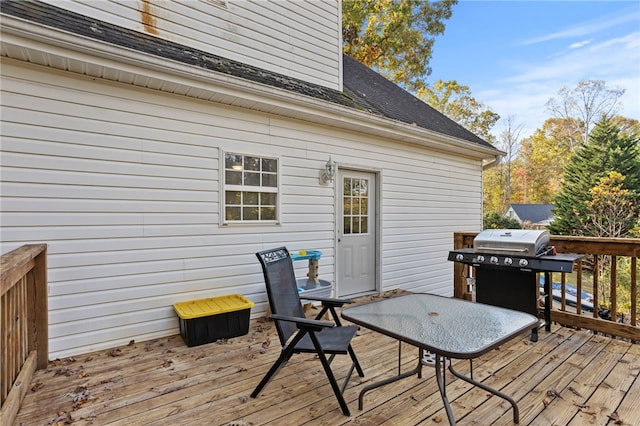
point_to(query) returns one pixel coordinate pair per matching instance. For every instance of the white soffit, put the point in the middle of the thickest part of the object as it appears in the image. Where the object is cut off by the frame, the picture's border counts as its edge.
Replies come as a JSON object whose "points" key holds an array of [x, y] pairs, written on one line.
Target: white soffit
{"points": [[25, 41]]}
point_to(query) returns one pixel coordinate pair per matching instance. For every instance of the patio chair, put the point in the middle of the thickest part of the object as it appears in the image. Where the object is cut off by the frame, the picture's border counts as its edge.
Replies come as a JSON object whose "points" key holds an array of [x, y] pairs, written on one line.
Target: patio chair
{"points": [[309, 335]]}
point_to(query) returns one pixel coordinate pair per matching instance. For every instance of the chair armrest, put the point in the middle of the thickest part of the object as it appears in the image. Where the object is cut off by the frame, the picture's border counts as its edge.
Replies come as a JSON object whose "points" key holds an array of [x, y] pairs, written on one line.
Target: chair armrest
{"points": [[328, 301], [304, 323]]}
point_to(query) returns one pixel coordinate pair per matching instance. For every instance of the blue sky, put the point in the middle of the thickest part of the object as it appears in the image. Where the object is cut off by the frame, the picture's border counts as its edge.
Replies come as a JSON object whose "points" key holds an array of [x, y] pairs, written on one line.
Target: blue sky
{"points": [[516, 55]]}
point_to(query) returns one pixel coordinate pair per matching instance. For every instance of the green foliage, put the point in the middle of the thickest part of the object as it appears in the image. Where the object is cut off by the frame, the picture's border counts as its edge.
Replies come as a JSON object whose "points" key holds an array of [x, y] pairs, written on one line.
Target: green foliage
{"points": [[494, 197], [456, 102], [623, 284], [394, 37], [494, 220], [607, 150], [540, 162], [612, 210]]}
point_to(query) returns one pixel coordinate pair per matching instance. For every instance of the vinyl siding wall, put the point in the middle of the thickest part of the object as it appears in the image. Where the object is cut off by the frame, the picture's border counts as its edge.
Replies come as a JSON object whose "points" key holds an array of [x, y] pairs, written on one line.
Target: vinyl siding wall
{"points": [[123, 185], [300, 39]]}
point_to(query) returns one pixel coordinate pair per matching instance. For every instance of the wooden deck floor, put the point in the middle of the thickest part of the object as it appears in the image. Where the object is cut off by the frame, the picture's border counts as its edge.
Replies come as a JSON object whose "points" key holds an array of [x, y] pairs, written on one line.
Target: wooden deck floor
{"points": [[568, 377]]}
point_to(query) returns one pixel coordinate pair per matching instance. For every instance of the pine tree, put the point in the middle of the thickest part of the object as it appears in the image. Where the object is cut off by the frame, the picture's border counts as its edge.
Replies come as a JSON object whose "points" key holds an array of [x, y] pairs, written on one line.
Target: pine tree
{"points": [[607, 150]]}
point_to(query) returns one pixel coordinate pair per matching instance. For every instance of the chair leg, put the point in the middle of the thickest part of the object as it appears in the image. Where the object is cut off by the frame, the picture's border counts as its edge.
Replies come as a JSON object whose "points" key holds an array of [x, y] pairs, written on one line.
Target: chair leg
{"points": [[282, 359], [285, 355], [352, 354], [354, 365], [331, 377], [321, 313], [346, 379]]}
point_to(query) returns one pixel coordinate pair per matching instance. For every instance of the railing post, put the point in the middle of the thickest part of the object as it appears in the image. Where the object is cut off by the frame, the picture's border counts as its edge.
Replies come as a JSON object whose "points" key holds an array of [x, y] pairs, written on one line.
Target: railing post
{"points": [[458, 269], [39, 336], [23, 320], [461, 240]]}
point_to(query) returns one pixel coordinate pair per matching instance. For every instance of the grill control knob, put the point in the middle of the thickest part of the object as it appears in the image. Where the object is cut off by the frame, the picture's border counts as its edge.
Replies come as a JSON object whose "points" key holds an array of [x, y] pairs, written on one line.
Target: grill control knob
{"points": [[459, 257], [523, 262], [508, 261], [480, 259], [494, 260]]}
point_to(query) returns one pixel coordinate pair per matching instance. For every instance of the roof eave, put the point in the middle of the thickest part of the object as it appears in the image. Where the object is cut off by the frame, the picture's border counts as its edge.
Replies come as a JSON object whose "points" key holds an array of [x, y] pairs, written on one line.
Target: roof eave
{"points": [[54, 47]]}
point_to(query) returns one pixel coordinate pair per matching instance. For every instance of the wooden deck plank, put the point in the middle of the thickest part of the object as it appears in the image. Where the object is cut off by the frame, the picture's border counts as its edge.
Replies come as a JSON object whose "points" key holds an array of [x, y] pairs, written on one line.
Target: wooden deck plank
{"points": [[458, 390], [601, 406], [311, 385], [163, 382], [594, 364], [522, 376], [128, 388], [628, 411]]}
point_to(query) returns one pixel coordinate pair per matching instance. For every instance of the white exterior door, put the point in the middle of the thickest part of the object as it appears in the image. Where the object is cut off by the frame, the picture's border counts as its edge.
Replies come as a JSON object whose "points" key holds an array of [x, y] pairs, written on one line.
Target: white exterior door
{"points": [[356, 233]]}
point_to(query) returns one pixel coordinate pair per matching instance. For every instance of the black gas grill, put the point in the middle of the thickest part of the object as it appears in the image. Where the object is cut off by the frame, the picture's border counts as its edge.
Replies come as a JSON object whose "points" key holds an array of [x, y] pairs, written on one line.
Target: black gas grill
{"points": [[506, 263]]}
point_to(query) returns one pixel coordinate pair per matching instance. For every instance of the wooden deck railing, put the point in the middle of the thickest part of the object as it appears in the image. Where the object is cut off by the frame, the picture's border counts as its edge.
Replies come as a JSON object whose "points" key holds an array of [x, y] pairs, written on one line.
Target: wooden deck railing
{"points": [[23, 324], [599, 253]]}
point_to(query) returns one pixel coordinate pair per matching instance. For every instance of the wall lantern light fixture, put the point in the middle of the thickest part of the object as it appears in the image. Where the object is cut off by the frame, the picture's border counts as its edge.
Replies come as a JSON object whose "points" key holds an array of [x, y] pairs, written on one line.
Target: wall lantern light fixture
{"points": [[329, 173]]}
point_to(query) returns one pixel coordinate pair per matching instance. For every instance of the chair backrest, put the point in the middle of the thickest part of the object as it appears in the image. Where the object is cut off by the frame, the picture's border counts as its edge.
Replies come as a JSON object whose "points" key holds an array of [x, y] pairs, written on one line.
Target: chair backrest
{"points": [[282, 289]]}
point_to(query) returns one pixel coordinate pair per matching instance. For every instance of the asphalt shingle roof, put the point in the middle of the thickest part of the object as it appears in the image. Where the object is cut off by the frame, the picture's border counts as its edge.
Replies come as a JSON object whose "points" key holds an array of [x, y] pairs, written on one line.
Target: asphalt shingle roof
{"points": [[386, 98], [533, 213], [364, 89]]}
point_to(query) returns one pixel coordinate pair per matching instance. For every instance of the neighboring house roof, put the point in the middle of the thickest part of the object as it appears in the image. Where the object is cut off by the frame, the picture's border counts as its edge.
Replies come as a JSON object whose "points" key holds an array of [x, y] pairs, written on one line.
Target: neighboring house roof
{"points": [[364, 89], [534, 213]]}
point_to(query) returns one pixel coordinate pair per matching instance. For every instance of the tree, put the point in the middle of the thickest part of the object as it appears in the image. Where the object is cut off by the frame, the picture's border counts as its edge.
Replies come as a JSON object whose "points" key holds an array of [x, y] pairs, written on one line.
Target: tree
{"points": [[612, 211], [607, 150], [494, 220], [628, 126], [584, 105], [509, 138], [493, 194], [456, 102], [540, 162], [394, 37], [497, 193]]}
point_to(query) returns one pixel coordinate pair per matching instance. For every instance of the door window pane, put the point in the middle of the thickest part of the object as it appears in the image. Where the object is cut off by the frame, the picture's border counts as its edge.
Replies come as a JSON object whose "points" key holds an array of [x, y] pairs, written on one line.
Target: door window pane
{"points": [[355, 206]]}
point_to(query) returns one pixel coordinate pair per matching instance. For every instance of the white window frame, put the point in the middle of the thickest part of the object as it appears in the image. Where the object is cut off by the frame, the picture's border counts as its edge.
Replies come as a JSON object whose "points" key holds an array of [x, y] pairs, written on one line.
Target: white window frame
{"points": [[224, 187]]}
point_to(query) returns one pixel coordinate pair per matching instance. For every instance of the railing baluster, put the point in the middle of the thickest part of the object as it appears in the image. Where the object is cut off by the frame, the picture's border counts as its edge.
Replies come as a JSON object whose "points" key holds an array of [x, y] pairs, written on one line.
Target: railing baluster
{"points": [[634, 291], [596, 302], [563, 287], [613, 306], [579, 286]]}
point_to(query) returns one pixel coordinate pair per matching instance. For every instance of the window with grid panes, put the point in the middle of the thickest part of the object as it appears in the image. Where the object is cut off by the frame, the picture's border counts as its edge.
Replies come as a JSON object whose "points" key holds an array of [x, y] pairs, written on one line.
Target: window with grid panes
{"points": [[250, 188]]}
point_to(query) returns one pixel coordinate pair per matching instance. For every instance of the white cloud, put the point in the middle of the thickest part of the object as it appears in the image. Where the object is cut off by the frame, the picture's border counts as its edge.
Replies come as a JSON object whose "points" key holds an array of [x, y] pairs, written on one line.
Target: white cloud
{"points": [[532, 83], [579, 44], [589, 27]]}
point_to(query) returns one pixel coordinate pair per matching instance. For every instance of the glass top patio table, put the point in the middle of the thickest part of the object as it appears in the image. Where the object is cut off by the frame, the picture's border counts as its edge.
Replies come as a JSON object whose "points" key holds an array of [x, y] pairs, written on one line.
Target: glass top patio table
{"points": [[446, 327], [453, 328]]}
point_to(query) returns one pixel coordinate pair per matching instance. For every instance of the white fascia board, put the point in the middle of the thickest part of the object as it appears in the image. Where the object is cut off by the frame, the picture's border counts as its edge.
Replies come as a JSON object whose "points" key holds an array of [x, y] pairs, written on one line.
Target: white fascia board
{"points": [[22, 34]]}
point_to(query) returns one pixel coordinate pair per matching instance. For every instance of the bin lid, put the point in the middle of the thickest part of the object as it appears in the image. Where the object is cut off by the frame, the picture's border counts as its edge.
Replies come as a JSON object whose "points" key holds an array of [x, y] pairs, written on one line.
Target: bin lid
{"points": [[212, 306]]}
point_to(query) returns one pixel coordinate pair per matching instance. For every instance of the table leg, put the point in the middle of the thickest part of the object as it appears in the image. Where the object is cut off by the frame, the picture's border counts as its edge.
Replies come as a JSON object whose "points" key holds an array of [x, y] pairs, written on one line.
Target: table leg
{"points": [[516, 413], [440, 379], [417, 370]]}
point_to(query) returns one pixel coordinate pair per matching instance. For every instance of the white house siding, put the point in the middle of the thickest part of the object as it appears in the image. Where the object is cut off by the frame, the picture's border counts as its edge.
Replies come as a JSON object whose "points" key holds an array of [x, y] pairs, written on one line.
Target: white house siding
{"points": [[122, 183], [300, 39], [425, 197]]}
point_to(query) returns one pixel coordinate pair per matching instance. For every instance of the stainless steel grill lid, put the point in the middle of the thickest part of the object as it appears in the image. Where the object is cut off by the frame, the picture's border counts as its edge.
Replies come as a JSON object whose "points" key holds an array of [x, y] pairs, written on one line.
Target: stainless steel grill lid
{"points": [[521, 242]]}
